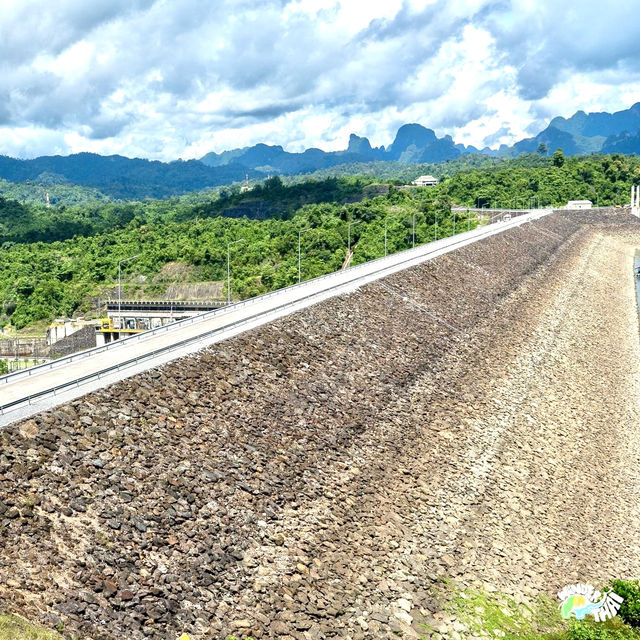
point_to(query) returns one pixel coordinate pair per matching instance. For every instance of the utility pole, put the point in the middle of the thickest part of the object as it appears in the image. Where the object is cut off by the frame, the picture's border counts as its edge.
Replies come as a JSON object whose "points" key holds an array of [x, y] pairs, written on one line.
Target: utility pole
{"points": [[413, 231], [349, 240], [385, 237], [299, 256], [229, 267], [120, 288], [386, 244]]}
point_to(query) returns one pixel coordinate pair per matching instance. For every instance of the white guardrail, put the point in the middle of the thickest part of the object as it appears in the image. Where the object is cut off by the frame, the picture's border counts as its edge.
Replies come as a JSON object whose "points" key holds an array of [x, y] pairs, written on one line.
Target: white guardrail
{"points": [[309, 290]]}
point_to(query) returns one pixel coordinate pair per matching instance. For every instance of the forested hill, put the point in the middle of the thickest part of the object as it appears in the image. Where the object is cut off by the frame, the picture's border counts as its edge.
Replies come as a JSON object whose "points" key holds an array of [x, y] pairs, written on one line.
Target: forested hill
{"points": [[56, 261], [21, 222], [123, 178]]}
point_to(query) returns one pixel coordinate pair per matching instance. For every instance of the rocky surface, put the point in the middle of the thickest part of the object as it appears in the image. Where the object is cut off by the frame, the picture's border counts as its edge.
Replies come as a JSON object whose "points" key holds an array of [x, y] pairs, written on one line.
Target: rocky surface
{"points": [[475, 418], [85, 338]]}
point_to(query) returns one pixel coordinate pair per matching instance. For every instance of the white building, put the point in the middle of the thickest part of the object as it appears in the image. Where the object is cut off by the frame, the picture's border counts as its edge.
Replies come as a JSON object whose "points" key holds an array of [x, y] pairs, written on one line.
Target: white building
{"points": [[425, 181], [579, 204], [65, 327]]}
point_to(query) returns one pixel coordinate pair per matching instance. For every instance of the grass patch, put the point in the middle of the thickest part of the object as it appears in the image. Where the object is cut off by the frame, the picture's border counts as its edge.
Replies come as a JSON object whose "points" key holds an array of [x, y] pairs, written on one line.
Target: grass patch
{"points": [[15, 628], [495, 615]]}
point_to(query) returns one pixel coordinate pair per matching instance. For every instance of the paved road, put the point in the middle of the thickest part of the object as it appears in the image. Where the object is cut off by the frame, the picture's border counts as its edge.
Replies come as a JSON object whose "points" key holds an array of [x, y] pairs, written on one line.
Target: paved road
{"points": [[28, 392]]}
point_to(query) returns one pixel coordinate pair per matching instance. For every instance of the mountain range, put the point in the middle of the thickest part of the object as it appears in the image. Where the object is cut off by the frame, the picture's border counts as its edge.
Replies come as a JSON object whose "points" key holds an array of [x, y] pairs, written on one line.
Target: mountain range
{"points": [[126, 178], [585, 133], [582, 133]]}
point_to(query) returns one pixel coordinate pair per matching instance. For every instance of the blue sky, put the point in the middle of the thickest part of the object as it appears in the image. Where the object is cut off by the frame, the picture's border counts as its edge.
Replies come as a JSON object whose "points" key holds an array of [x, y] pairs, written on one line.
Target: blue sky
{"points": [[179, 78]]}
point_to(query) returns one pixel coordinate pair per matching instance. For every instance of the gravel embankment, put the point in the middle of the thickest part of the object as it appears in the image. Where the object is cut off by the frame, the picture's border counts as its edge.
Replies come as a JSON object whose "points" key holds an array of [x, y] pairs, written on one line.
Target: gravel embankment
{"points": [[474, 418]]}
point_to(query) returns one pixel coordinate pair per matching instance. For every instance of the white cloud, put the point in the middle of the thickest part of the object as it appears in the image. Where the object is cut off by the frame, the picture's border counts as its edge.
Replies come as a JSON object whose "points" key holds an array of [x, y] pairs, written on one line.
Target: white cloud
{"points": [[163, 79]]}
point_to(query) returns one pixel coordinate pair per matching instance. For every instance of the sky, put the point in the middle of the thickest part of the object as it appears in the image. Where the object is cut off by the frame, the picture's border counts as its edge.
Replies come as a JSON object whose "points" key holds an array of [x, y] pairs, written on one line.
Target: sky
{"points": [[168, 79]]}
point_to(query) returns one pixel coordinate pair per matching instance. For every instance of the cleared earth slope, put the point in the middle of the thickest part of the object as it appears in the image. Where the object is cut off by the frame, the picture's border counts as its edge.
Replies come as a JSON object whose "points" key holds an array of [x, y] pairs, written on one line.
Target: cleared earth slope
{"points": [[474, 418]]}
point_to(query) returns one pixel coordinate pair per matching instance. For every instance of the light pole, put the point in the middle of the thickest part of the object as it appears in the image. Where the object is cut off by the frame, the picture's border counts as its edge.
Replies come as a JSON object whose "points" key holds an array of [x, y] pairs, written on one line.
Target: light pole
{"points": [[413, 227], [385, 232], [299, 258], [349, 240], [120, 262], [229, 267], [413, 231], [483, 196], [385, 237]]}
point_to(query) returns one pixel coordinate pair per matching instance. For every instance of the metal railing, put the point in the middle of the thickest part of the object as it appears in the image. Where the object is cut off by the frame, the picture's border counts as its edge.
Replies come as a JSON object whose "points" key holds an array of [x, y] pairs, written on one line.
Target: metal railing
{"points": [[163, 305], [386, 262]]}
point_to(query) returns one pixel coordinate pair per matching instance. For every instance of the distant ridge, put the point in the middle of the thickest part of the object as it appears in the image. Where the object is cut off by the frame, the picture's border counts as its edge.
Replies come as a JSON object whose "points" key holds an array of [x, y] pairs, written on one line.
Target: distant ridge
{"points": [[127, 178], [585, 133], [413, 143], [582, 133], [123, 178]]}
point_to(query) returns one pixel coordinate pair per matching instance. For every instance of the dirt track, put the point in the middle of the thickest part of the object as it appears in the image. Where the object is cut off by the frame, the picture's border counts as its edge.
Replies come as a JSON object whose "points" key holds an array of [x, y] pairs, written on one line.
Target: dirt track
{"points": [[476, 418]]}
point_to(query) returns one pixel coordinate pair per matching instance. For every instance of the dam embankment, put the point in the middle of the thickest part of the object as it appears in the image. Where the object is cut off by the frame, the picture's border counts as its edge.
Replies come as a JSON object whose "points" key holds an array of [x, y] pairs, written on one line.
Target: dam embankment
{"points": [[474, 418]]}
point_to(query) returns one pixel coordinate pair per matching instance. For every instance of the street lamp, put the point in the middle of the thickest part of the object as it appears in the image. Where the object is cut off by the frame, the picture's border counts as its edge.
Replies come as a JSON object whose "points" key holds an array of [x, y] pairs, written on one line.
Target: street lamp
{"points": [[229, 267], [413, 231], [349, 240], [385, 237], [299, 237], [413, 227], [385, 231], [120, 262], [483, 196]]}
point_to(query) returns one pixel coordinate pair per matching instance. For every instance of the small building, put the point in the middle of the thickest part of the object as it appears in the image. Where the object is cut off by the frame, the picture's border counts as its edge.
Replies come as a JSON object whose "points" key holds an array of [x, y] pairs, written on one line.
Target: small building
{"points": [[579, 204], [62, 328], [127, 317], [425, 181]]}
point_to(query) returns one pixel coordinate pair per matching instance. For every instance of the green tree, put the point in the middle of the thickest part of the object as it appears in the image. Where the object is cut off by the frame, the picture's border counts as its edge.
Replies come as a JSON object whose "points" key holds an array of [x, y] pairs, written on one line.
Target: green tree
{"points": [[630, 608], [542, 149], [558, 158]]}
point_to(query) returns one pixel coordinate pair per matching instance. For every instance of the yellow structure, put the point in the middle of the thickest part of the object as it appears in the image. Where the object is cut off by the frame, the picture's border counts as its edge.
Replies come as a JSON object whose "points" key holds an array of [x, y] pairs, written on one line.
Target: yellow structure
{"points": [[107, 325]]}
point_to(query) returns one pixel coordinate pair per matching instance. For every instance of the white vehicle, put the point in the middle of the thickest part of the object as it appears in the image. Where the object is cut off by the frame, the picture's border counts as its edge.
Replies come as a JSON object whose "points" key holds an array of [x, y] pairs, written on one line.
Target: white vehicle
{"points": [[506, 217]]}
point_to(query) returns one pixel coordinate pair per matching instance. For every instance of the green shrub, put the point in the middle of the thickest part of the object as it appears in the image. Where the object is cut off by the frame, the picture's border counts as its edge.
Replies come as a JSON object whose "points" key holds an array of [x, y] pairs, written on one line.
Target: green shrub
{"points": [[630, 608], [610, 630]]}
